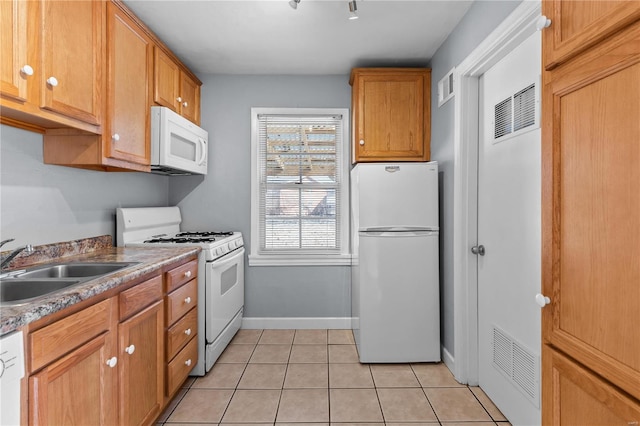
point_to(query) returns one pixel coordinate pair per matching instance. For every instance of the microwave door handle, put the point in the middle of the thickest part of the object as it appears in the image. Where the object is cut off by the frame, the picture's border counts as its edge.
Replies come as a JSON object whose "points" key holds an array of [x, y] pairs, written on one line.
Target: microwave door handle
{"points": [[203, 152]]}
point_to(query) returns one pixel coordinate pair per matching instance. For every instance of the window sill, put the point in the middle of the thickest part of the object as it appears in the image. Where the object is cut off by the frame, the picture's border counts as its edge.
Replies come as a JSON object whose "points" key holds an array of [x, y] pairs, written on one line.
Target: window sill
{"points": [[300, 260]]}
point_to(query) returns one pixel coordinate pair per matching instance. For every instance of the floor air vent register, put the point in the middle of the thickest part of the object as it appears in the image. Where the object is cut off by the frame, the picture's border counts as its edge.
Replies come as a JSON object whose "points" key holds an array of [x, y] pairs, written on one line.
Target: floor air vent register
{"points": [[518, 364]]}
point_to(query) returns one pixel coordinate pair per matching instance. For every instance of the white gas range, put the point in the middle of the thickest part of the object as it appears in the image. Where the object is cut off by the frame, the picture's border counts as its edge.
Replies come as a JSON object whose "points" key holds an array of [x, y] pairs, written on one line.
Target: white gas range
{"points": [[220, 272]]}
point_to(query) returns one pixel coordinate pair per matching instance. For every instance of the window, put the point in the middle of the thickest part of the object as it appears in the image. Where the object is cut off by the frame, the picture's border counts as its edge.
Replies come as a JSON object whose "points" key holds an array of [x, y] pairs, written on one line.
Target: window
{"points": [[299, 186]]}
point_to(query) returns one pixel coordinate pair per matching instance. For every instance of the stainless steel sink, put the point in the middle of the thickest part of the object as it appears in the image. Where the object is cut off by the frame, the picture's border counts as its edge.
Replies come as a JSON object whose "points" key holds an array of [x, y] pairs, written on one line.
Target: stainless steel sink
{"points": [[16, 290], [23, 286], [74, 270]]}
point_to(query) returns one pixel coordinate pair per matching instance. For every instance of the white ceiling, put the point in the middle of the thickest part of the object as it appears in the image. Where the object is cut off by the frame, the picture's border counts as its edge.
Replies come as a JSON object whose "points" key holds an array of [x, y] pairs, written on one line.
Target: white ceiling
{"points": [[269, 37]]}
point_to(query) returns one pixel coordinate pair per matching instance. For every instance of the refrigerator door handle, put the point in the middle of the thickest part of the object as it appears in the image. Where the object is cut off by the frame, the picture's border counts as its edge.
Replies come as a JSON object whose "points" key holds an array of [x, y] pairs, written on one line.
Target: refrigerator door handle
{"points": [[399, 229], [404, 234]]}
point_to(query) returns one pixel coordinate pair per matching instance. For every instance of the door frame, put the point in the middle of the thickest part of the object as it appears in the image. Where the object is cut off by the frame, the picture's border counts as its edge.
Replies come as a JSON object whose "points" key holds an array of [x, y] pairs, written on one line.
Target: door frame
{"points": [[517, 27]]}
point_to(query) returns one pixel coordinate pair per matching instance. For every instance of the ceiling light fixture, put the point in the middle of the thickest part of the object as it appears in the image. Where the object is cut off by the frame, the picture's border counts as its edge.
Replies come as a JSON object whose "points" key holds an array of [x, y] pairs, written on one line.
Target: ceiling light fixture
{"points": [[294, 4], [353, 10]]}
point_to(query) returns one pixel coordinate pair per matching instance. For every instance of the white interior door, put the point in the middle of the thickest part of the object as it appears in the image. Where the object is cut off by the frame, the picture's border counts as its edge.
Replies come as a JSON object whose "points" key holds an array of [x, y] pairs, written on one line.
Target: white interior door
{"points": [[509, 231]]}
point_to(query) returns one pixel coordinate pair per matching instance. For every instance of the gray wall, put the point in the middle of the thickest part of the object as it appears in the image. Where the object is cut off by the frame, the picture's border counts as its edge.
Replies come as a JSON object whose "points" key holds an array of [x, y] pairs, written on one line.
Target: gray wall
{"points": [[42, 204], [475, 26], [222, 199]]}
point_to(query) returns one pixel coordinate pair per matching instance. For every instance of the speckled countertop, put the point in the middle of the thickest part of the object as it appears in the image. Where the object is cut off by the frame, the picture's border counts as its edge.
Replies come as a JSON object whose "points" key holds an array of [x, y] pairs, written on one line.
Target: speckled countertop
{"points": [[150, 258]]}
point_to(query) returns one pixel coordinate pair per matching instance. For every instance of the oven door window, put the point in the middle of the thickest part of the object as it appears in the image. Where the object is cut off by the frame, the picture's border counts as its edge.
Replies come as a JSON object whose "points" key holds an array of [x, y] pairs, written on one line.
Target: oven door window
{"points": [[224, 292]]}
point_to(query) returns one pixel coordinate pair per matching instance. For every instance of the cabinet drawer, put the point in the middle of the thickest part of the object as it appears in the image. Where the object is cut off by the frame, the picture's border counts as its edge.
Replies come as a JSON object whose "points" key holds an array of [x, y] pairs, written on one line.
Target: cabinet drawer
{"points": [[181, 332], [179, 368], [136, 298], [182, 274], [51, 342], [181, 301]]}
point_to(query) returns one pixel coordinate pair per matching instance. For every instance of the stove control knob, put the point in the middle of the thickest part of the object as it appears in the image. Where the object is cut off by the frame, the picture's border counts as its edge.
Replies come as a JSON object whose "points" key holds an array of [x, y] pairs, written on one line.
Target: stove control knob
{"points": [[218, 252]]}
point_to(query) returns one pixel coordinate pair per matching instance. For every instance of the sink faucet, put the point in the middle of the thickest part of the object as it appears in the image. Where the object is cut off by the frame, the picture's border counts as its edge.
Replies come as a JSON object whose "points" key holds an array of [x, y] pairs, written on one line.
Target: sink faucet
{"points": [[28, 249]]}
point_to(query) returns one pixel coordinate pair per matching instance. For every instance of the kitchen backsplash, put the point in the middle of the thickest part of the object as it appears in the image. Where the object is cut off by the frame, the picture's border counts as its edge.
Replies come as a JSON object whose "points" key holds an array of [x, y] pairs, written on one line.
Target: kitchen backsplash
{"points": [[48, 252]]}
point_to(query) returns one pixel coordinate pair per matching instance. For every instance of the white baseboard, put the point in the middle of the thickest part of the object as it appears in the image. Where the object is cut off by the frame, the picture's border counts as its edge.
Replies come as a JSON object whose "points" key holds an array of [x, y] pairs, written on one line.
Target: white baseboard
{"points": [[448, 359], [335, 323]]}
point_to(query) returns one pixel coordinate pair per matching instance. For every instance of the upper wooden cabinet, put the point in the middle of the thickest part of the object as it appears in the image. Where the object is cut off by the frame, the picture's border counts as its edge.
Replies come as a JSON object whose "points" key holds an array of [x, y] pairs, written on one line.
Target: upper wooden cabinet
{"points": [[82, 73], [125, 143], [129, 60], [13, 42], [391, 114], [590, 223], [578, 25], [72, 58], [52, 67], [174, 88]]}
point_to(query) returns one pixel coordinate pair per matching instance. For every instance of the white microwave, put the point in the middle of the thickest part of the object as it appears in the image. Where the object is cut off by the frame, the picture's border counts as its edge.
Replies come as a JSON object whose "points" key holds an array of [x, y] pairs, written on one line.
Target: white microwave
{"points": [[178, 147]]}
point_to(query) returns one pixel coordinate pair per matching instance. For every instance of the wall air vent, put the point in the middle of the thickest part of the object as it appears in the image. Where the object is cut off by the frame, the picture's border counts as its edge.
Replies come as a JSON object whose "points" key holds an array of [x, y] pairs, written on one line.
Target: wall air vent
{"points": [[445, 88], [517, 114], [503, 118], [520, 366]]}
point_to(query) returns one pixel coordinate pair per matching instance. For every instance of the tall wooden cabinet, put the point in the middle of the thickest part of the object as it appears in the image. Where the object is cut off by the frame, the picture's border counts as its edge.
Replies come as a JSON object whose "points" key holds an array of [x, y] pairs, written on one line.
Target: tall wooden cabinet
{"points": [[391, 114], [591, 225]]}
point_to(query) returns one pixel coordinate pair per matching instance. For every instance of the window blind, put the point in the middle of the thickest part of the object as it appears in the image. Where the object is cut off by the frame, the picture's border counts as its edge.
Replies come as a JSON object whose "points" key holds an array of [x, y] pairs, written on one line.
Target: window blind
{"points": [[299, 193]]}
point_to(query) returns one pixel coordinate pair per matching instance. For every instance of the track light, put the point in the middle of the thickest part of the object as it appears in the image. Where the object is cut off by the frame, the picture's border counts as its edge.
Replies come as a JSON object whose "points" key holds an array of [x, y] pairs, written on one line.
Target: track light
{"points": [[353, 10], [294, 4]]}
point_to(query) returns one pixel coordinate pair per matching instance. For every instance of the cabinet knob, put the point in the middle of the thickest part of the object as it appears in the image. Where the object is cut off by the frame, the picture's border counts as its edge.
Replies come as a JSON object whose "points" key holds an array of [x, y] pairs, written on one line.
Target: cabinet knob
{"points": [[187, 300], [185, 104], [112, 362], [542, 300], [179, 99], [542, 22], [188, 362], [187, 274], [361, 142], [130, 349], [52, 81], [115, 137], [187, 332], [26, 70]]}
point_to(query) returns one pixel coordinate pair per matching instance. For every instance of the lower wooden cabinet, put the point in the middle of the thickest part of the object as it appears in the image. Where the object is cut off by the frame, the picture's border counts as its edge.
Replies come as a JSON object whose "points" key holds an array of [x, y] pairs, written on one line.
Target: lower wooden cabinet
{"points": [[79, 388], [575, 396], [141, 373], [107, 364]]}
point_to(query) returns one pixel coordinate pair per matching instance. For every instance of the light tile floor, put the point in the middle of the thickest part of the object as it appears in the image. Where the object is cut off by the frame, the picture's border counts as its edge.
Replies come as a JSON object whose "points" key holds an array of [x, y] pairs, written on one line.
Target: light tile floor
{"points": [[313, 376]]}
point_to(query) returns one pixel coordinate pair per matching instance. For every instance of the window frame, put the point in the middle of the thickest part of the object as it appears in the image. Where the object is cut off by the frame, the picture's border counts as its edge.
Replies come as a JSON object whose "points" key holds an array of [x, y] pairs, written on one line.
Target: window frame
{"points": [[303, 258]]}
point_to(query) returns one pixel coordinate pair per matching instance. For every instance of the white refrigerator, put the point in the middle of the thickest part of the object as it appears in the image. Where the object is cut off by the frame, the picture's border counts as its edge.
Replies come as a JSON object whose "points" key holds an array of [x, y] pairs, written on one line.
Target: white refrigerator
{"points": [[395, 277]]}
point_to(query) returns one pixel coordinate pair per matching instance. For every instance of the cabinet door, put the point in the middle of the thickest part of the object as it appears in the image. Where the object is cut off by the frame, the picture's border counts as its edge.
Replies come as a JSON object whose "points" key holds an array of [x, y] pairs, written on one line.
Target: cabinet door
{"points": [[574, 396], [591, 226], [79, 389], [190, 94], [166, 76], [142, 369], [129, 63], [578, 25], [13, 49], [72, 52], [390, 115]]}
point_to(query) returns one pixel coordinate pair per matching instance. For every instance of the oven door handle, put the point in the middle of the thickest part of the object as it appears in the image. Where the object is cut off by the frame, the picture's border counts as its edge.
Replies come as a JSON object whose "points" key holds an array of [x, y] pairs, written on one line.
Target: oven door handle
{"points": [[226, 260]]}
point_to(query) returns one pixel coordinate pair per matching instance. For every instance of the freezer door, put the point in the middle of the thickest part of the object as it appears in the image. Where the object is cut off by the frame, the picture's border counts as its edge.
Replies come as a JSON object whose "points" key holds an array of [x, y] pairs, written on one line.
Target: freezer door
{"points": [[398, 297], [395, 195]]}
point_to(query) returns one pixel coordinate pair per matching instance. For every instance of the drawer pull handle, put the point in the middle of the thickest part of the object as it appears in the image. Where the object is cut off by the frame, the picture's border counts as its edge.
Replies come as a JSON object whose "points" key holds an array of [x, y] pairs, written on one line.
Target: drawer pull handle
{"points": [[130, 349], [187, 274], [187, 300], [179, 99], [52, 81], [188, 362], [185, 104], [112, 362], [187, 332]]}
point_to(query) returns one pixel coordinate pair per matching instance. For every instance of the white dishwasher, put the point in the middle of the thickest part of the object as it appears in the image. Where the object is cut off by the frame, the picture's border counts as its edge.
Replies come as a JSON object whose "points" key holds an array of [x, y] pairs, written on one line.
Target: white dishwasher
{"points": [[11, 372]]}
